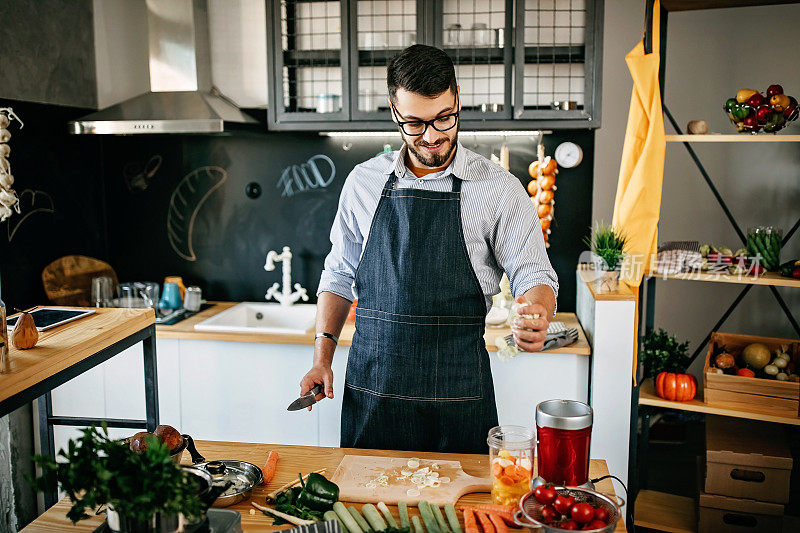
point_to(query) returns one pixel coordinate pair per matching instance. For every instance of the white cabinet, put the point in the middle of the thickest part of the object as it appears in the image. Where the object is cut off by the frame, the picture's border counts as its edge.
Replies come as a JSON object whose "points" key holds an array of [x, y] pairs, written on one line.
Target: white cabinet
{"points": [[239, 391]]}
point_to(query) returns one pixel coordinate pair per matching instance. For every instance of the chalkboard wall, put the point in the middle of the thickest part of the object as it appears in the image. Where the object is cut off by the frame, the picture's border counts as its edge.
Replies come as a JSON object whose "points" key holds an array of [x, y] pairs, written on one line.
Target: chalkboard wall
{"points": [[59, 181], [179, 205]]}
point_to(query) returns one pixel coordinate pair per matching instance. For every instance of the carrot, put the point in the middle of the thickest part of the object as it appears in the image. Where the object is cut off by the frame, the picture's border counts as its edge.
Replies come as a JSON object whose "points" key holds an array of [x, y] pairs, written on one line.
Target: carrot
{"points": [[498, 522], [497, 470], [270, 467], [506, 512], [470, 524], [506, 480], [486, 524]]}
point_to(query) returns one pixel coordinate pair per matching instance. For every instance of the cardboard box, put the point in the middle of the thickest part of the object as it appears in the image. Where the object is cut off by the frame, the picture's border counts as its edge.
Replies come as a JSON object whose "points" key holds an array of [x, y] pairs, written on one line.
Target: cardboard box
{"points": [[720, 514], [747, 459]]}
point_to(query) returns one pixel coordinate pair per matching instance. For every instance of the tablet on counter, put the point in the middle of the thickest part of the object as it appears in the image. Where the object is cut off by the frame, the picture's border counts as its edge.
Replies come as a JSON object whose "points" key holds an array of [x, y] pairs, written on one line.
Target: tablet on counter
{"points": [[49, 317]]}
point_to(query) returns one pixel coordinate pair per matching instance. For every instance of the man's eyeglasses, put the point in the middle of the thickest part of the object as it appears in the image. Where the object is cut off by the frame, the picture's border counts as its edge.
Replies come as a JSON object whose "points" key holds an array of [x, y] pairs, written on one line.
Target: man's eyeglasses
{"points": [[415, 128]]}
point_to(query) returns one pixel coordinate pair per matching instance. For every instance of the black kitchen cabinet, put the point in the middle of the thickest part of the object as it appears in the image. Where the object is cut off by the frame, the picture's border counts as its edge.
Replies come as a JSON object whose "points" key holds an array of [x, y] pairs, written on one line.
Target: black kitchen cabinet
{"points": [[514, 59]]}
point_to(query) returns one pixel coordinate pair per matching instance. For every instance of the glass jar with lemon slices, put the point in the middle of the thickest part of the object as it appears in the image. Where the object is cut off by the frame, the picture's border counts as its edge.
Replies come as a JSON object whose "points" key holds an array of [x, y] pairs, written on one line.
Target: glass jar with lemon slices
{"points": [[511, 459]]}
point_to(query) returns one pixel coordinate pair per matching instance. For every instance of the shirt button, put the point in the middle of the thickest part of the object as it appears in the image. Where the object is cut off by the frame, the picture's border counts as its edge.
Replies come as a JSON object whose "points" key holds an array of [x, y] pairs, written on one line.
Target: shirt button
{"points": [[420, 181]]}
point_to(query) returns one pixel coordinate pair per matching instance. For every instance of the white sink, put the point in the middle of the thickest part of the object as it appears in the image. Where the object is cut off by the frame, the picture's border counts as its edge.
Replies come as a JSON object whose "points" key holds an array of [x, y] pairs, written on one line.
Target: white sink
{"points": [[256, 317]]}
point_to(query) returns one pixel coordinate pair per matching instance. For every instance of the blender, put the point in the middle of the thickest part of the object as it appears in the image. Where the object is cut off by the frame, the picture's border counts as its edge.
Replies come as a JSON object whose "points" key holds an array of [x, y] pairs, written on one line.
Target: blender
{"points": [[563, 434]]}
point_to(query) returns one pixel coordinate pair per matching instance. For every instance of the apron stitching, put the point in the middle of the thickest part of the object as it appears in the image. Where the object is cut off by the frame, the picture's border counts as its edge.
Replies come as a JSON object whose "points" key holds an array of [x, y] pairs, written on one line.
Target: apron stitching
{"points": [[425, 198], [414, 398], [421, 323], [436, 368], [420, 316]]}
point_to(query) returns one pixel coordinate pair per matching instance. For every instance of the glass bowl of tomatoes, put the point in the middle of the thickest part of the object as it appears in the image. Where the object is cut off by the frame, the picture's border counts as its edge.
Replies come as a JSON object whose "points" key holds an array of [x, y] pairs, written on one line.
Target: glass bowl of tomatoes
{"points": [[557, 509]]}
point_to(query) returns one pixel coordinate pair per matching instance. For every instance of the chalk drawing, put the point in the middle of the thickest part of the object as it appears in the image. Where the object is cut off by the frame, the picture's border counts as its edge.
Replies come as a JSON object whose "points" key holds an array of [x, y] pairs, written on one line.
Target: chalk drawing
{"points": [[137, 177], [185, 203], [44, 205], [306, 176]]}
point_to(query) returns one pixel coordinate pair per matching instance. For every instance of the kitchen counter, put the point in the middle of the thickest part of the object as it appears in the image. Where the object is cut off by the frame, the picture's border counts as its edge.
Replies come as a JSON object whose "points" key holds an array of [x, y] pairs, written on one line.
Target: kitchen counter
{"points": [[294, 459], [185, 330]]}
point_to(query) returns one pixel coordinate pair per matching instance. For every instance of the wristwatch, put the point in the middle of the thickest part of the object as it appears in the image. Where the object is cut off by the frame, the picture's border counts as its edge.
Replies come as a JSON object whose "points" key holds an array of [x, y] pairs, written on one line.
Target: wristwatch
{"points": [[324, 335]]}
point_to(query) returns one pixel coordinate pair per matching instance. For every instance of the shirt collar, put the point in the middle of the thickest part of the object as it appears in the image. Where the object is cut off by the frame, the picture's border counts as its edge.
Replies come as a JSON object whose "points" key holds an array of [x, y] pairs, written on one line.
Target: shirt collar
{"points": [[457, 167]]}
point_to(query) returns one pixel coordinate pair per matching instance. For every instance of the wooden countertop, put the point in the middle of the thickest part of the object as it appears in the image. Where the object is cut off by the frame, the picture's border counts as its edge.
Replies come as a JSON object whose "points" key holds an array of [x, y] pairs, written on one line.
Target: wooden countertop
{"points": [[185, 330], [294, 459], [623, 292], [66, 345]]}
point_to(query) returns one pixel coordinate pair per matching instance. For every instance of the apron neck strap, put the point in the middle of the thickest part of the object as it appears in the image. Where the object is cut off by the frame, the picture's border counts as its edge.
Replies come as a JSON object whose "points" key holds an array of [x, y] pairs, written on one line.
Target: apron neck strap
{"points": [[456, 184], [390, 182]]}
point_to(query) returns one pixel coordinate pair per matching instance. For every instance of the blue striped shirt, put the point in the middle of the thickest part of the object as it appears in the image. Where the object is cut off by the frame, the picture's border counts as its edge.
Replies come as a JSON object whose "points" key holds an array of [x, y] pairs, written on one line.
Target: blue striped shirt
{"points": [[501, 227]]}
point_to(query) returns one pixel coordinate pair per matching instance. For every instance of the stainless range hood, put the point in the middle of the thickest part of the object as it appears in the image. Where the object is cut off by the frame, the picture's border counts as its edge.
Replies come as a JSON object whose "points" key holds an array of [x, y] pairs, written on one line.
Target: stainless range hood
{"points": [[181, 97]]}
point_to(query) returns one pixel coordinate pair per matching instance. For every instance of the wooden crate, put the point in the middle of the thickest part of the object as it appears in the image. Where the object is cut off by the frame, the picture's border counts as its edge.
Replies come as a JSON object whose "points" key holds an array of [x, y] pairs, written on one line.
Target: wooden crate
{"points": [[768, 395]]}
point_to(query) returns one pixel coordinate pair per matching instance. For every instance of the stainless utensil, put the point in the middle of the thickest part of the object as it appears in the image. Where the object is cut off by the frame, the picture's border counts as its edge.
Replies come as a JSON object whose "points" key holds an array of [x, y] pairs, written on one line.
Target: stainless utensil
{"points": [[306, 399], [241, 475], [530, 513]]}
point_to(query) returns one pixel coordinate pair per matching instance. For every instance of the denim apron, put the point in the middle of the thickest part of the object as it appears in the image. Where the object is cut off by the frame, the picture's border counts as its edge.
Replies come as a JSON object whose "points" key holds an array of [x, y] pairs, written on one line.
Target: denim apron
{"points": [[418, 375]]}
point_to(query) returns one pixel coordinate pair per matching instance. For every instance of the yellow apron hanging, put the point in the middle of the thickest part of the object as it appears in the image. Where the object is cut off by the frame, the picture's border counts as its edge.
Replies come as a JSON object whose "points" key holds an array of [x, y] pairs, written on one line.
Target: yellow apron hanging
{"points": [[638, 201]]}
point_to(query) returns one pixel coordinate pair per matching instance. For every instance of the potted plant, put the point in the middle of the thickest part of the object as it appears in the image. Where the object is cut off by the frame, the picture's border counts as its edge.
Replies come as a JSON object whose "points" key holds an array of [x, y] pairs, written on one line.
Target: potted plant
{"points": [[608, 248], [666, 360], [143, 492]]}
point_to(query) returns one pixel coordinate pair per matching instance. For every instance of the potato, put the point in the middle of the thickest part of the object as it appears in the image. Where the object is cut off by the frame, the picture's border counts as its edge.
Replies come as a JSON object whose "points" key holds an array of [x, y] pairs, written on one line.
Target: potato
{"points": [[169, 436]]}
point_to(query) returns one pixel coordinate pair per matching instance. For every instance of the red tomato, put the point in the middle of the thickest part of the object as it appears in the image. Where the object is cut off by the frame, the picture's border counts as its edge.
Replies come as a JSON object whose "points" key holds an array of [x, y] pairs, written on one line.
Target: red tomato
{"points": [[676, 387], [595, 524], [545, 494], [563, 504], [570, 525], [601, 513], [549, 514], [582, 512]]}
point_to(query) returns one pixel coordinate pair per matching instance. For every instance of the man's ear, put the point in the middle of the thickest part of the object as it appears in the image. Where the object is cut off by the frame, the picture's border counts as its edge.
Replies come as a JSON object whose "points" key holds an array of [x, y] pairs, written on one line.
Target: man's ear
{"points": [[391, 114], [458, 92]]}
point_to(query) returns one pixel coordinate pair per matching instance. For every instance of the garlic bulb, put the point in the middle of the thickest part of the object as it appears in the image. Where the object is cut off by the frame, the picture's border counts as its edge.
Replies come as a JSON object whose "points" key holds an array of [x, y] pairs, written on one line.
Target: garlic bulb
{"points": [[5, 135], [5, 150], [6, 180], [8, 198]]}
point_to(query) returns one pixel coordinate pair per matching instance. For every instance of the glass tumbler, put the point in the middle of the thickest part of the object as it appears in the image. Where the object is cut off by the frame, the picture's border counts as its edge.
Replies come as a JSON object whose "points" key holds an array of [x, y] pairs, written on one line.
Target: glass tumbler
{"points": [[511, 459]]}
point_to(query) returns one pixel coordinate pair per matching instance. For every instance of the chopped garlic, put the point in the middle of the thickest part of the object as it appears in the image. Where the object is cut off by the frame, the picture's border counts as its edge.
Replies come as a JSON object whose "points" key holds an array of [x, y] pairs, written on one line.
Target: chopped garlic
{"points": [[413, 463], [412, 493]]}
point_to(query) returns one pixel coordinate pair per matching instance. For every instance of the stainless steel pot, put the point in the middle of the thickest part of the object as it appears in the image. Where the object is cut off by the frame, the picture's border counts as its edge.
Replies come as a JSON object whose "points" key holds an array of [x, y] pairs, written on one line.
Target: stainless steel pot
{"points": [[207, 492], [187, 444]]}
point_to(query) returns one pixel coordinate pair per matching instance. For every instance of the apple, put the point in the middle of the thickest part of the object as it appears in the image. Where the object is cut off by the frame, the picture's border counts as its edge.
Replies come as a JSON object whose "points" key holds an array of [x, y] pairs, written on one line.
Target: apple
{"points": [[772, 90], [790, 113], [763, 113], [750, 123], [756, 100]]}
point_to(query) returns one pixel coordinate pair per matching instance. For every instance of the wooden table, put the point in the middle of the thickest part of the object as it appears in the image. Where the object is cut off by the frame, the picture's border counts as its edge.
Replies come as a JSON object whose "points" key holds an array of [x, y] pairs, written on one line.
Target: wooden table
{"points": [[185, 330], [67, 351], [293, 460]]}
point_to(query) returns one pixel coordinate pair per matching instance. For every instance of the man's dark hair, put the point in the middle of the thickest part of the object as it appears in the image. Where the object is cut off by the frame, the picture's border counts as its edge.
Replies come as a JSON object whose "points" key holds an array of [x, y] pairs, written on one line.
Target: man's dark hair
{"points": [[421, 69]]}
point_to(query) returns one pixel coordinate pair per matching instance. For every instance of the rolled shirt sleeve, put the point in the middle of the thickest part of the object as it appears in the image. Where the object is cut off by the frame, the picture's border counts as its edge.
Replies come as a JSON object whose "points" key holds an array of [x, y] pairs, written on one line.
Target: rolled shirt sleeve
{"points": [[338, 275], [518, 242]]}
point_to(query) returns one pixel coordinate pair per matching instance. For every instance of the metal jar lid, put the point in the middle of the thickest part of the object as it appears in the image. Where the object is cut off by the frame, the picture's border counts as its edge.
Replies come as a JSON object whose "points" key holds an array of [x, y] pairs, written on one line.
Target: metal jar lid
{"points": [[563, 414]]}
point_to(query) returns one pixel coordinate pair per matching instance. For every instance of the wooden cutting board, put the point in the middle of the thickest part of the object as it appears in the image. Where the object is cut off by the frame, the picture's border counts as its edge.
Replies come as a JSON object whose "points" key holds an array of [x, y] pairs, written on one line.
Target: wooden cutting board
{"points": [[355, 471], [68, 280]]}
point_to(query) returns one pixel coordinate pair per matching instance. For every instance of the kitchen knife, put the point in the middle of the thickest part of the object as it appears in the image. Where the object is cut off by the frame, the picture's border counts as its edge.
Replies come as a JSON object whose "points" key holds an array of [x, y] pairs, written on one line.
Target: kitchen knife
{"points": [[306, 399]]}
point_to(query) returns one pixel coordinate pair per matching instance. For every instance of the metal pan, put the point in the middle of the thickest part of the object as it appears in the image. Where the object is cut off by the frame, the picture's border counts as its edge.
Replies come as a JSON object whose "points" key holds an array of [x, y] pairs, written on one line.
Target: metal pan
{"points": [[242, 475]]}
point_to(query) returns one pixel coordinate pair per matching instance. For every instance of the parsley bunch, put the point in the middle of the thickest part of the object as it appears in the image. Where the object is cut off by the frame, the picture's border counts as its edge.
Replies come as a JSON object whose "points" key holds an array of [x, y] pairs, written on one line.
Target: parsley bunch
{"points": [[98, 471]]}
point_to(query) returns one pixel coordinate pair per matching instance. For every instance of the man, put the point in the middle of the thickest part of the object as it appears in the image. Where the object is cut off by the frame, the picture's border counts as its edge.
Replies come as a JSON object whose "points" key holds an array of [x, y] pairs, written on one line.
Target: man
{"points": [[421, 238]]}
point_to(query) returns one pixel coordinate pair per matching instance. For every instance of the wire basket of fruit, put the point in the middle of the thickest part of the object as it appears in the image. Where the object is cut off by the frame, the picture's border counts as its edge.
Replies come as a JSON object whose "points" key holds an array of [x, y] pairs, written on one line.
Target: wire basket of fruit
{"points": [[559, 509], [751, 112]]}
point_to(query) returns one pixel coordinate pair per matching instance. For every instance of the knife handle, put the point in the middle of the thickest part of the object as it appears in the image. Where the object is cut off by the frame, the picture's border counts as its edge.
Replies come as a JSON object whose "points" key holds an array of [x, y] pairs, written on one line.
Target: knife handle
{"points": [[318, 388]]}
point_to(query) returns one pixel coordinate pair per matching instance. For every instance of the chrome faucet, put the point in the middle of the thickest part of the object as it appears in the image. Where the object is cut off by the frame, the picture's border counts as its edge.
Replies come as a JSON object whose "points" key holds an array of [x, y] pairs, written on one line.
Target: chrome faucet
{"points": [[285, 296]]}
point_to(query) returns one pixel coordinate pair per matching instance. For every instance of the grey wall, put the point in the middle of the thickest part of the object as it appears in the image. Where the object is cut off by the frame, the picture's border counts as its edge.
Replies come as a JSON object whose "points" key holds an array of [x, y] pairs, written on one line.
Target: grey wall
{"points": [[47, 52], [707, 62]]}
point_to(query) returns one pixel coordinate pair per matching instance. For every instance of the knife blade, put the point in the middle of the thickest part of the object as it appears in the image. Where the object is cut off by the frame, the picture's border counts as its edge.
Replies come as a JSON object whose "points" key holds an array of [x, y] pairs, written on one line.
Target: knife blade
{"points": [[306, 399]]}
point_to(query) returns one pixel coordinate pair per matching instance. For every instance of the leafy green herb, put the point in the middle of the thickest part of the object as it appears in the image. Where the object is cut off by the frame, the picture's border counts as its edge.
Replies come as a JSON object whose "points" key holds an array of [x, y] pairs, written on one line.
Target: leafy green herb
{"points": [[98, 471], [661, 352], [607, 243]]}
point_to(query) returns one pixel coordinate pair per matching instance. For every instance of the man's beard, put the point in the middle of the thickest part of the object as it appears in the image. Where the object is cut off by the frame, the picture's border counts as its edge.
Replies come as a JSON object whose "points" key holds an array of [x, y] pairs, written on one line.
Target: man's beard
{"points": [[430, 160]]}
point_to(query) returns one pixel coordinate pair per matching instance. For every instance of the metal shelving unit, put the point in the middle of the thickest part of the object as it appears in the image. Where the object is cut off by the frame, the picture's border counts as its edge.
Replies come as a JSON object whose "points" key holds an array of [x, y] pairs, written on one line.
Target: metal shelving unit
{"points": [[342, 47], [658, 509]]}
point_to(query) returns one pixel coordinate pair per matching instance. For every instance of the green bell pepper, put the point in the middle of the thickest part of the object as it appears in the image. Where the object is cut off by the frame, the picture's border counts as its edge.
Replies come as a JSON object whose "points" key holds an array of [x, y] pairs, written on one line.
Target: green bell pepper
{"points": [[318, 493], [739, 112]]}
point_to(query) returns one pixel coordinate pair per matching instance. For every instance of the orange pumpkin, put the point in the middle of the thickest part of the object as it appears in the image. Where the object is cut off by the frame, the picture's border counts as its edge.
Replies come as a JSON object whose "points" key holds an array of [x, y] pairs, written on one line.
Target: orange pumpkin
{"points": [[676, 387]]}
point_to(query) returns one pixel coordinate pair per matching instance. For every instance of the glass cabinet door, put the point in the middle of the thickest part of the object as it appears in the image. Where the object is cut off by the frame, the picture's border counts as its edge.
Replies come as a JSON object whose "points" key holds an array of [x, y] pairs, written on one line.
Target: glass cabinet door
{"points": [[381, 29], [476, 34], [311, 64], [555, 67]]}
